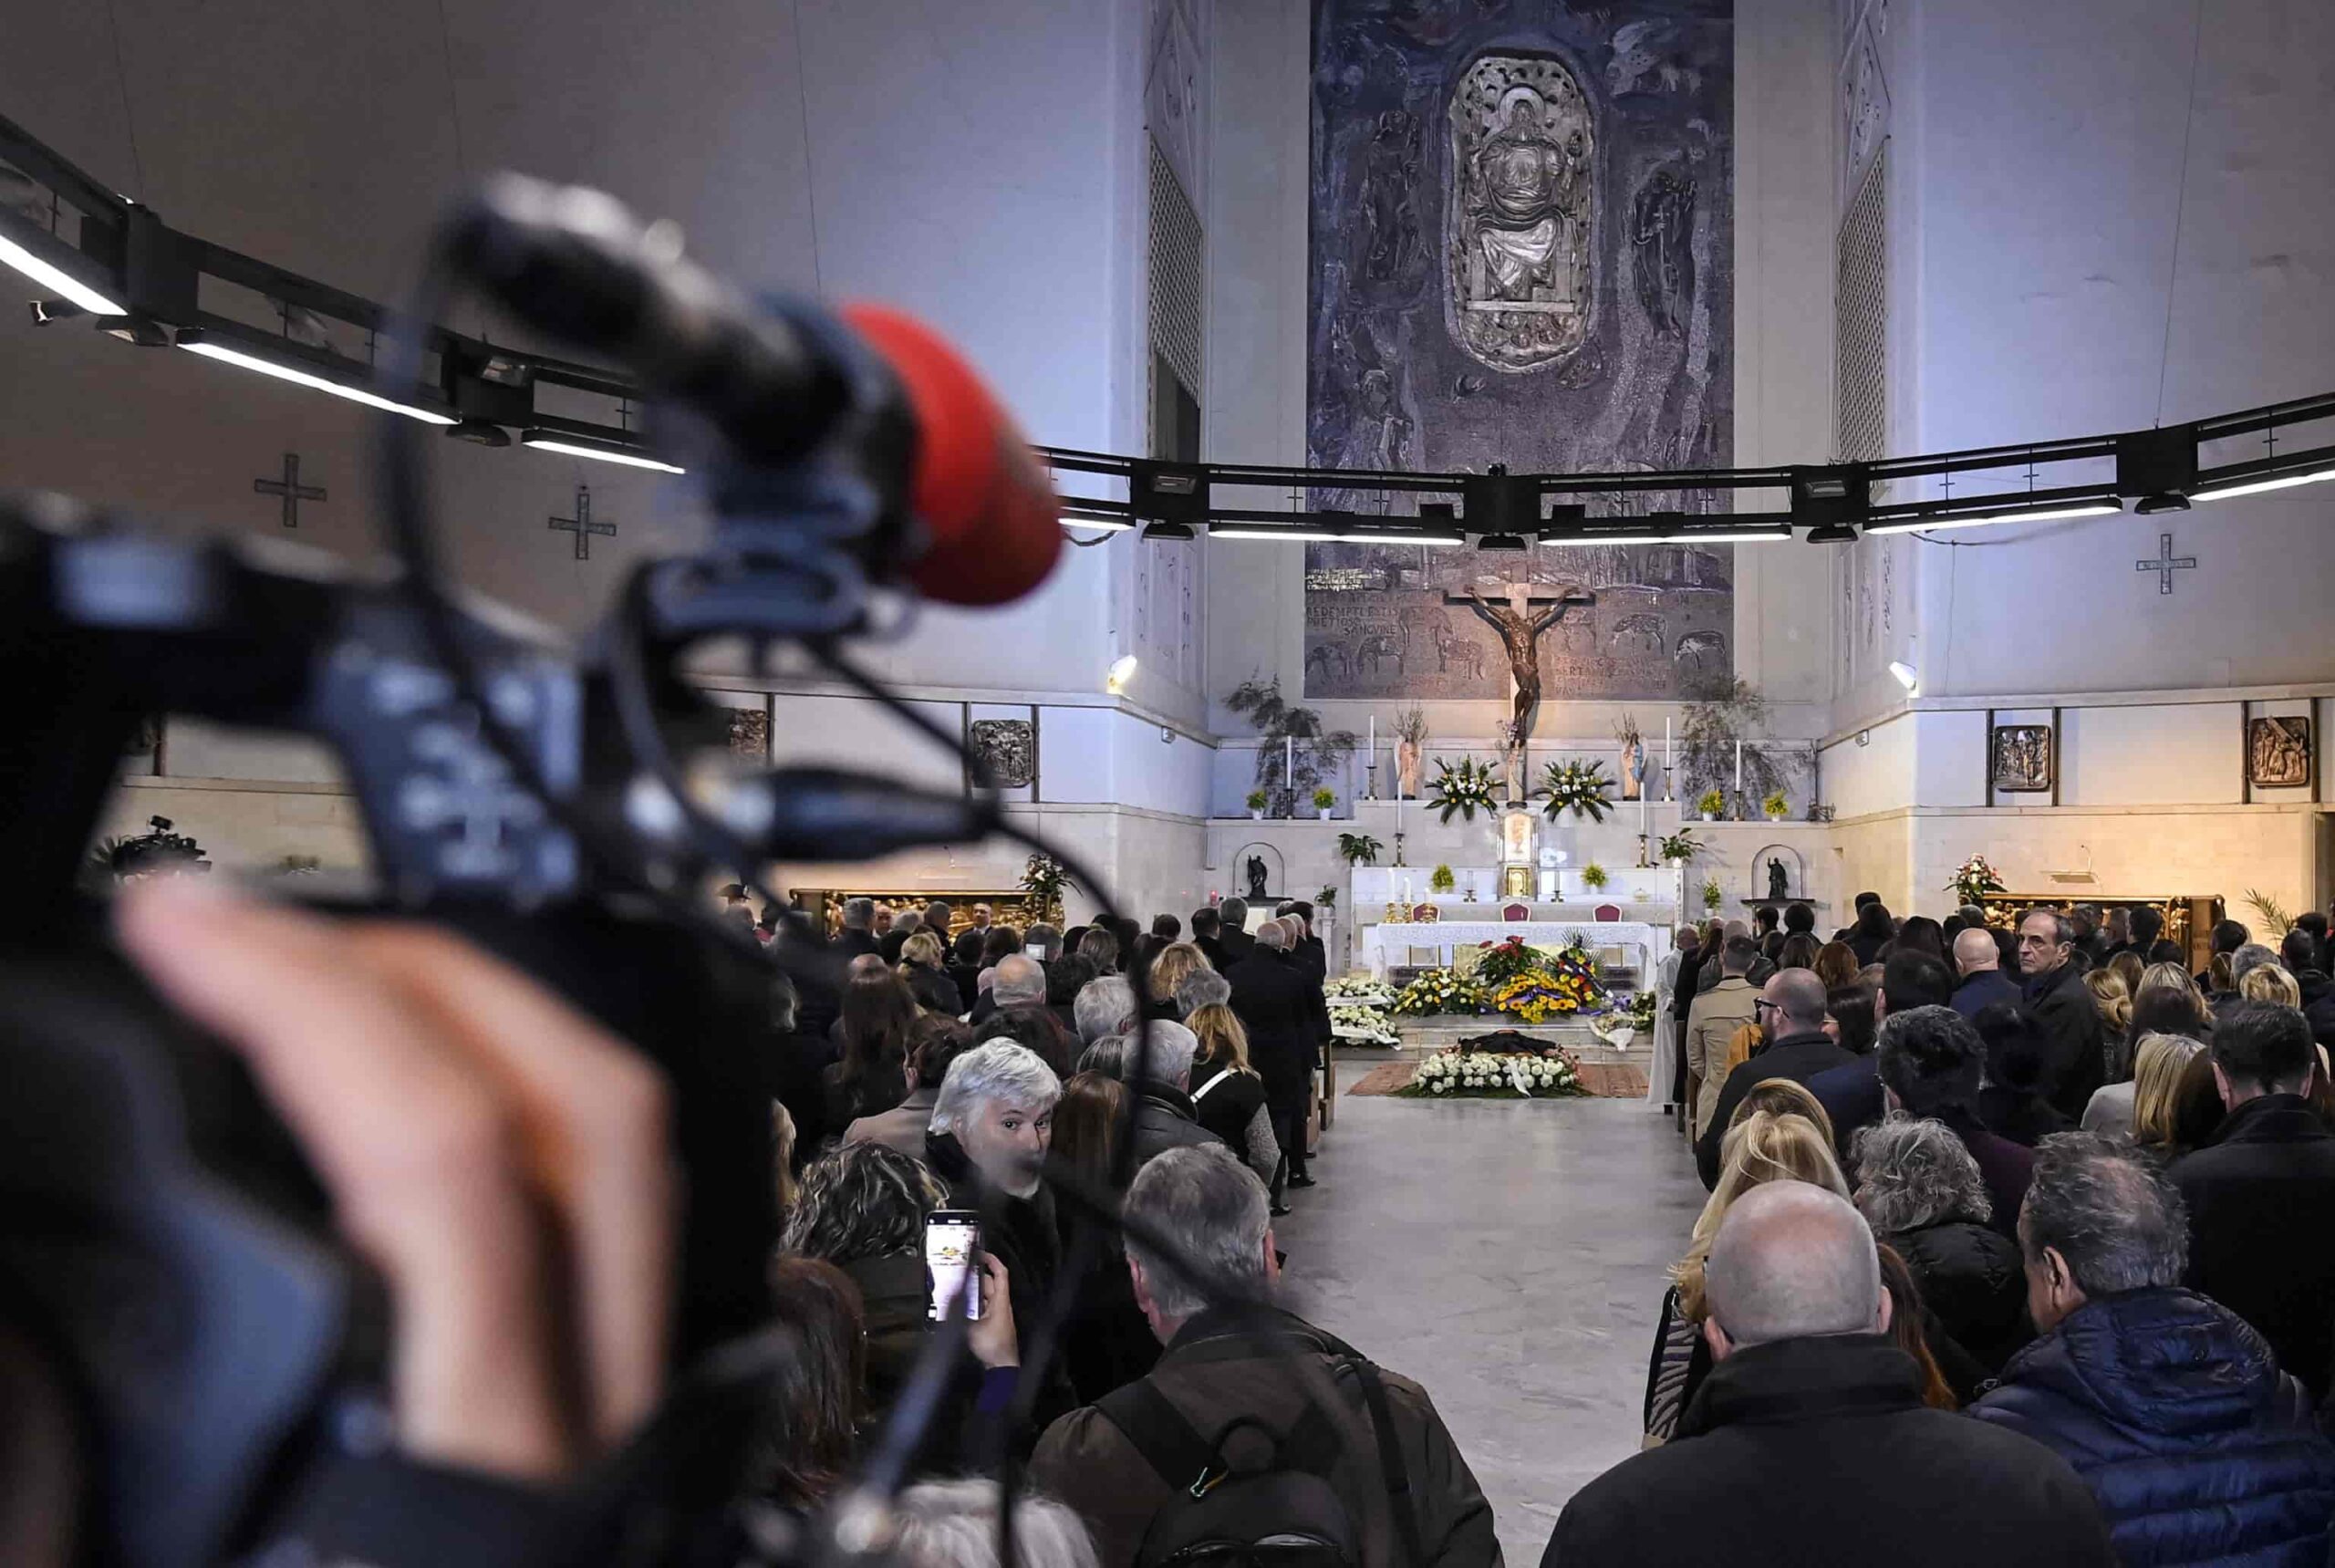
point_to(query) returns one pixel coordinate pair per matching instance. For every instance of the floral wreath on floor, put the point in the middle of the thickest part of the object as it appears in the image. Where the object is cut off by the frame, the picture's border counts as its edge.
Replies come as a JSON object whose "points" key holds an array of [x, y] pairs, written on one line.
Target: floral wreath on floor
{"points": [[1478, 1075], [1537, 986], [1368, 1020], [1439, 991]]}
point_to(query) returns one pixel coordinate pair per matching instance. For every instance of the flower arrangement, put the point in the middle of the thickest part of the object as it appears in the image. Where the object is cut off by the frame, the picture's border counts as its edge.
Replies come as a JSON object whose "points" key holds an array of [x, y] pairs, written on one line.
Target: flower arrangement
{"points": [[1538, 995], [1594, 876], [1464, 790], [1352, 985], [1712, 805], [1776, 805], [1713, 894], [1641, 1009], [1579, 787], [1504, 960], [1359, 848], [1324, 798], [1439, 991], [1681, 846], [1973, 880], [1368, 1023], [1043, 882], [1256, 801], [1475, 1075], [1441, 880]]}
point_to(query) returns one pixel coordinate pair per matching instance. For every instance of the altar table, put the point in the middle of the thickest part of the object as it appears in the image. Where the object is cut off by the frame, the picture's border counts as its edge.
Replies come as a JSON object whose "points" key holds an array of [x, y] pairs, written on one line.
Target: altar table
{"points": [[1386, 944]]}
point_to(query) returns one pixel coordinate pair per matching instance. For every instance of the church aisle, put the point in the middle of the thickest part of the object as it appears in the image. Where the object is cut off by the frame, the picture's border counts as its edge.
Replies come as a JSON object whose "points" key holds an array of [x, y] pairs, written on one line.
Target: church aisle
{"points": [[1511, 1258]]}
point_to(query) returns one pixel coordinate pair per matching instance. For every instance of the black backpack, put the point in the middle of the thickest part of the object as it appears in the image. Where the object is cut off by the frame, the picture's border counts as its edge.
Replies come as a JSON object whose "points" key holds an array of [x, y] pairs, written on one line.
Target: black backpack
{"points": [[1249, 1497]]}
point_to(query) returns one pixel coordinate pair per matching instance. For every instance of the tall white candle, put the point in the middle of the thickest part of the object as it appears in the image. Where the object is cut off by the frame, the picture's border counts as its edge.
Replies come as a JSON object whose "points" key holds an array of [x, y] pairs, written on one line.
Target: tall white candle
{"points": [[1739, 767], [1289, 762], [1372, 749], [1669, 763]]}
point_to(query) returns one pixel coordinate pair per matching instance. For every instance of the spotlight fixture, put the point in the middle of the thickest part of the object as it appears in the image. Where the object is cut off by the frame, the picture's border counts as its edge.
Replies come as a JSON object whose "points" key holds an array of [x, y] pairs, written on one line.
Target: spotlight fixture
{"points": [[2267, 474], [2158, 468], [51, 262], [1907, 677], [1167, 531], [2166, 501], [480, 432], [570, 444], [2042, 506], [1122, 671], [285, 363], [1502, 542], [1832, 534]]}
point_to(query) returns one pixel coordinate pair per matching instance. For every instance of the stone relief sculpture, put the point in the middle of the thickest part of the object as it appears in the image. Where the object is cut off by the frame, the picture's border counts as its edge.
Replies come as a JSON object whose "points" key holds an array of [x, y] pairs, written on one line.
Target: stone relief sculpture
{"points": [[2277, 751], [1008, 748], [1522, 212], [750, 732], [2022, 758], [1661, 220]]}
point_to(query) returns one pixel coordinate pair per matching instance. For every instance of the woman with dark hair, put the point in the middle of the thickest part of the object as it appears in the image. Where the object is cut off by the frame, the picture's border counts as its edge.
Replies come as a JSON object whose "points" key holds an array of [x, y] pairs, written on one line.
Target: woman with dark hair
{"points": [[1037, 1028], [1911, 1328], [1065, 978], [2197, 1106], [809, 1430], [2167, 1001], [1106, 1343], [862, 1209], [965, 964], [1797, 952], [1873, 932], [1848, 1017], [1836, 965], [2012, 1102], [879, 1012], [1921, 934]]}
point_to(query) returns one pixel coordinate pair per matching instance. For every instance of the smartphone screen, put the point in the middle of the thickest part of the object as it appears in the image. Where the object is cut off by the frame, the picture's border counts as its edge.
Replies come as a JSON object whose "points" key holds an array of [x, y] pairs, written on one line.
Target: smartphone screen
{"points": [[952, 1245]]}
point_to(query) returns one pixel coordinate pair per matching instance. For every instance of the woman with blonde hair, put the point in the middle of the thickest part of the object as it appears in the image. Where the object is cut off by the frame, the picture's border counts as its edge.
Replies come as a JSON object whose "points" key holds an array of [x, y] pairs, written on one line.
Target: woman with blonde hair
{"points": [[2159, 1067], [923, 959], [2167, 1001], [1758, 1149], [2270, 983], [2129, 967], [1782, 1097], [2113, 1000], [1227, 1098], [1177, 962]]}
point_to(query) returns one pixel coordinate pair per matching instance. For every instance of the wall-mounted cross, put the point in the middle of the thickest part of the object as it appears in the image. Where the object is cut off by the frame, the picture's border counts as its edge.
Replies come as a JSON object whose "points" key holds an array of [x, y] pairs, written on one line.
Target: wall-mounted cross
{"points": [[2166, 564], [582, 525], [291, 489]]}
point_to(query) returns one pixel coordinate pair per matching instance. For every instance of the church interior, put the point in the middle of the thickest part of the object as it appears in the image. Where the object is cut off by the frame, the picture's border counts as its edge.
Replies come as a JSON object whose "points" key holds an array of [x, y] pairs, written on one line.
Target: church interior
{"points": [[1615, 479]]}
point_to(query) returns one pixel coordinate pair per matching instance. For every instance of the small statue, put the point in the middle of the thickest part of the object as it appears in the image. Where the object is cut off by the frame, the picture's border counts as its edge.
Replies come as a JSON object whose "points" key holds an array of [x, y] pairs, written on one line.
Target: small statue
{"points": [[1255, 871], [1779, 880]]}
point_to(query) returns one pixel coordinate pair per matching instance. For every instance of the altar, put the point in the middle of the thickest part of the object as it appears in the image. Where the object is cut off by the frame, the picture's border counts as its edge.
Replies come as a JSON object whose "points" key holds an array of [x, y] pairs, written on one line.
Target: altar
{"points": [[1642, 935]]}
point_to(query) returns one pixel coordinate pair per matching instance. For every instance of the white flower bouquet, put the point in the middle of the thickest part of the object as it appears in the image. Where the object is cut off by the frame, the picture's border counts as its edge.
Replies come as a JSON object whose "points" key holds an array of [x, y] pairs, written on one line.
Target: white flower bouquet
{"points": [[1478, 1074]]}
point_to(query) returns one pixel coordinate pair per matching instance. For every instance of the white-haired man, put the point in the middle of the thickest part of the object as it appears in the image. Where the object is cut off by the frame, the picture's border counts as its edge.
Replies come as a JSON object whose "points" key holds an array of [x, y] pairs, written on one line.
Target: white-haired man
{"points": [[1121, 1461], [1018, 981], [992, 1123], [1809, 1445], [1103, 1008], [1164, 1116]]}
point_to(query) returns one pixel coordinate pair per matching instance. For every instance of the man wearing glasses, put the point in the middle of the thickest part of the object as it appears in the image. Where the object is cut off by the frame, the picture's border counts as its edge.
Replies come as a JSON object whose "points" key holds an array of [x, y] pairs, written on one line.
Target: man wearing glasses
{"points": [[1789, 1011]]}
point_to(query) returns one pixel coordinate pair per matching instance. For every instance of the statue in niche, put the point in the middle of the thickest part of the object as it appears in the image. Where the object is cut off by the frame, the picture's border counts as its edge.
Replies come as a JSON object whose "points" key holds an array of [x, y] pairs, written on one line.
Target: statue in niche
{"points": [[1254, 870], [1518, 233], [1779, 880], [1662, 222]]}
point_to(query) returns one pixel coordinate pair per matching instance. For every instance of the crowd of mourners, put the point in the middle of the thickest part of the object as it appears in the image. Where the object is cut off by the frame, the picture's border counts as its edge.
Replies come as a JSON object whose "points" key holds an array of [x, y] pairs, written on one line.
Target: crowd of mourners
{"points": [[2019, 1246]]}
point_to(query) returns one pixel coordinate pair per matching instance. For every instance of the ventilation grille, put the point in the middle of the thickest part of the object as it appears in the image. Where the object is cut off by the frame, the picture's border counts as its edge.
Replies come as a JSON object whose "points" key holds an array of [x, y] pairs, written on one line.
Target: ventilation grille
{"points": [[1861, 320], [1177, 259]]}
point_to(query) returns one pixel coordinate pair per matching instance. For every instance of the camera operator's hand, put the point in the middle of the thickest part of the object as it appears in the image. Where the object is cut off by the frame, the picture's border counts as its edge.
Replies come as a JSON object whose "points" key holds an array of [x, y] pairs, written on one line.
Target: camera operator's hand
{"points": [[500, 1158], [993, 1336]]}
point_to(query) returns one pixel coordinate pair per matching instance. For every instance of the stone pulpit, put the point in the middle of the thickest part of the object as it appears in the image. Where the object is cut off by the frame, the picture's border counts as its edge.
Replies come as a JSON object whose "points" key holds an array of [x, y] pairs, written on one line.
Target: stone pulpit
{"points": [[1520, 852]]}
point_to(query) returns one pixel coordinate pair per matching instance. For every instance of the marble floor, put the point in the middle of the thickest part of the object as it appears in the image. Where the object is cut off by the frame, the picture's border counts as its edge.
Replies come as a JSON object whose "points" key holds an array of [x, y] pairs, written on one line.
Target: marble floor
{"points": [[1509, 1256]]}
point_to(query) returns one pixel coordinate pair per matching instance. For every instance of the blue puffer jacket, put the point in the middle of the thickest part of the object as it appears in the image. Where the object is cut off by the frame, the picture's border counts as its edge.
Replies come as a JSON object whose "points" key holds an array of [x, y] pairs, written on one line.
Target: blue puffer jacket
{"points": [[2198, 1449]]}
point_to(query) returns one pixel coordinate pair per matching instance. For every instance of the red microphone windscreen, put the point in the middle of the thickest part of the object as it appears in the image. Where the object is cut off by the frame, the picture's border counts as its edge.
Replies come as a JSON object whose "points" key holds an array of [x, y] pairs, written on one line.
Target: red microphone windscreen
{"points": [[995, 526]]}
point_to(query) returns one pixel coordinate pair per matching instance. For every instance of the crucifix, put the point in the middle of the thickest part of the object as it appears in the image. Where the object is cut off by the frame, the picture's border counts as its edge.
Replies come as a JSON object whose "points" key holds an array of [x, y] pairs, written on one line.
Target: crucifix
{"points": [[582, 525], [2166, 564], [1519, 632], [291, 489]]}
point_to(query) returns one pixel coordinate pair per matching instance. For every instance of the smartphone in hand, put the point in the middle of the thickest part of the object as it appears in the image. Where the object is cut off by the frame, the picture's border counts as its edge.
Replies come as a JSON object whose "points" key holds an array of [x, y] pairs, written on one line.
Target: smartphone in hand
{"points": [[952, 1249]]}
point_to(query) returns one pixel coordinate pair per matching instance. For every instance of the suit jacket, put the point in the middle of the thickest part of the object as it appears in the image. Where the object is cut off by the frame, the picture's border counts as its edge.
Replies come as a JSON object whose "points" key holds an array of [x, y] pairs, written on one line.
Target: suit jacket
{"points": [[2062, 1004], [2261, 1196], [1799, 1057], [902, 1127], [1237, 945], [1276, 1002], [849, 944], [1851, 1097], [1982, 990], [1717, 1014]]}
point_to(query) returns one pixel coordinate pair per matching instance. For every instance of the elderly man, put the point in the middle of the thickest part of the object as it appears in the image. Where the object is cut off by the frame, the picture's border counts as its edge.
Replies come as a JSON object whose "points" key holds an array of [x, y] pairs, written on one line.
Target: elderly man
{"points": [[1809, 1445], [991, 1124], [904, 924], [1232, 932], [1979, 956], [1123, 1462], [2055, 992], [1712, 1022], [858, 934], [1104, 1007], [1276, 1001], [1018, 981], [2173, 1410], [1163, 1116], [2261, 1192], [1790, 1011], [983, 916]]}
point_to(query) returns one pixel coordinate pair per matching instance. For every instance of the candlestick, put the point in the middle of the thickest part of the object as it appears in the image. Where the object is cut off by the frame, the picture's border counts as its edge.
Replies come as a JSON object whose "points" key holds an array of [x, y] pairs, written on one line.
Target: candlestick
{"points": [[1669, 764]]}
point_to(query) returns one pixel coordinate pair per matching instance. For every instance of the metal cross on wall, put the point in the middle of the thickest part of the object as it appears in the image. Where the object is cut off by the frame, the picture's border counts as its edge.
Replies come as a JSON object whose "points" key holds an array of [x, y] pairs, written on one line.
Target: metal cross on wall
{"points": [[582, 525], [291, 489], [2166, 564]]}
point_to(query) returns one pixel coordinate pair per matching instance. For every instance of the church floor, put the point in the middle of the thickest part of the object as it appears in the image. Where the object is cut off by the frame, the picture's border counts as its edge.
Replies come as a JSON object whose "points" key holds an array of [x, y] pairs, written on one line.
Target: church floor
{"points": [[1509, 1256]]}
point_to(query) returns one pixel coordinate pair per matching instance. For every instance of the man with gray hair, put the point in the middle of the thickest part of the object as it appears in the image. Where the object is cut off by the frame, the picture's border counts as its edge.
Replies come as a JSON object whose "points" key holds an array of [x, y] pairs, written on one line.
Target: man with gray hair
{"points": [[1232, 931], [1104, 1006], [858, 934], [1018, 981], [1233, 1360], [904, 924], [1277, 1003], [1165, 1117], [1809, 1444], [2174, 1412], [2055, 992], [1202, 988], [993, 1122]]}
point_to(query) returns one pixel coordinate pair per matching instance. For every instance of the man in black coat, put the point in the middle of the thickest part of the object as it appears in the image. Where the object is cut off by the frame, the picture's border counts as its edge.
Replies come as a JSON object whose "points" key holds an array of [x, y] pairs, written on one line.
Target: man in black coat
{"points": [[858, 934], [2261, 1193], [1789, 1011], [1932, 1062], [1207, 925], [1232, 932], [1984, 983], [2174, 1412], [1163, 1116], [1852, 1095], [1809, 1444], [1276, 999], [2062, 1002]]}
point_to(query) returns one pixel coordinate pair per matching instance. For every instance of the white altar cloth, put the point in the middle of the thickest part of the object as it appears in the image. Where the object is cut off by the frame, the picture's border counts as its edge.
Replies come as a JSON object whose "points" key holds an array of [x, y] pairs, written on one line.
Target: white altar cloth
{"points": [[1383, 944]]}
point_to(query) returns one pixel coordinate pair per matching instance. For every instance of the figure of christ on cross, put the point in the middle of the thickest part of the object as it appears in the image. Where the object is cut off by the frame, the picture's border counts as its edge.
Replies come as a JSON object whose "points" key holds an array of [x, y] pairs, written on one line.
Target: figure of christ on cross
{"points": [[1519, 631]]}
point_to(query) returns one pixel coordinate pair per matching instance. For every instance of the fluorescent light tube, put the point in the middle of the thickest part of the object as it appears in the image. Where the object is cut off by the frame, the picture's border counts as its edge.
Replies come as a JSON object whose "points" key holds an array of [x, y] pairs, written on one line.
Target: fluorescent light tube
{"points": [[1434, 541], [569, 446], [56, 280], [2229, 488], [2048, 511], [1301, 536], [284, 372]]}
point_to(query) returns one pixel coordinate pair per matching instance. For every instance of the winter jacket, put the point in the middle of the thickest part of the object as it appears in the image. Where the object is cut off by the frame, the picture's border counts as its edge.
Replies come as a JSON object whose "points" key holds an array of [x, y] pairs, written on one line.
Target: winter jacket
{"points": [[2005, 1166], [1221, 1367], [1163, 1120], [2174, 1413], [1717, 1014], [1027, 1242], [1982, 990], [1275, 999], [2062, 1004], [1806, 1453], [1798, 1057], [2261, 1199], [1972, 1279]]}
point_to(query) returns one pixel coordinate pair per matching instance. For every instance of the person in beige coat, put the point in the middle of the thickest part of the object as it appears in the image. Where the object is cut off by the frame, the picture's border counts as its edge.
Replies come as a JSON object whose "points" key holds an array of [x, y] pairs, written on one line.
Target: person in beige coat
{"points": [[1717, 1014]]}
